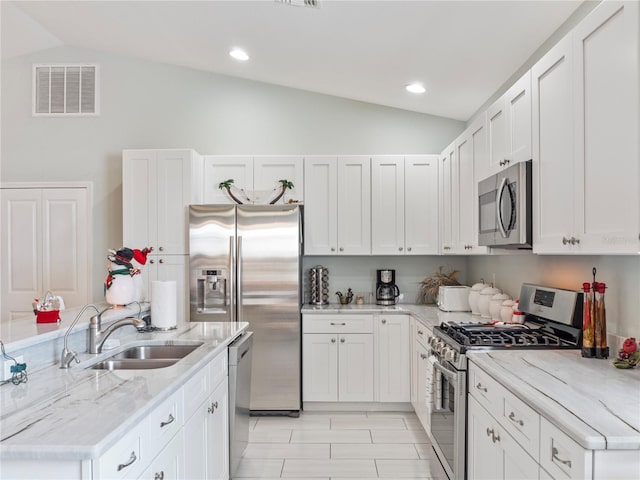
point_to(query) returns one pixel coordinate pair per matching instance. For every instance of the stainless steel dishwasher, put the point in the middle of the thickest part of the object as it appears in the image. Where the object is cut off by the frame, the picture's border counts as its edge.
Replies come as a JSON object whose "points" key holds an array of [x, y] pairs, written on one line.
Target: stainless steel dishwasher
{"points": [[239, 398]]}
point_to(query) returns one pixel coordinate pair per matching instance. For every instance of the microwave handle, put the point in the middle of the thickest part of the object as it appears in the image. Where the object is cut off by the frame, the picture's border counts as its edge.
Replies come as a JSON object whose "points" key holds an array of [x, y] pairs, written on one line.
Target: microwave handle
{"points": [[501, 189]]}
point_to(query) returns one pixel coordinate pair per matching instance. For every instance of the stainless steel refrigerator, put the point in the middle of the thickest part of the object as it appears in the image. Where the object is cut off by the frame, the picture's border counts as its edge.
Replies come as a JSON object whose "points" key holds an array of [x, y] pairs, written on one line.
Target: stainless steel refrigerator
{"points": [[245, 264]]}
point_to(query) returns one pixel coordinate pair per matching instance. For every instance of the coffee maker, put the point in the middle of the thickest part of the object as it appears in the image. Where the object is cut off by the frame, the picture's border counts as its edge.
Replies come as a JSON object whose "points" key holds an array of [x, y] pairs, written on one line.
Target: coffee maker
{"points": [[386, 289]]}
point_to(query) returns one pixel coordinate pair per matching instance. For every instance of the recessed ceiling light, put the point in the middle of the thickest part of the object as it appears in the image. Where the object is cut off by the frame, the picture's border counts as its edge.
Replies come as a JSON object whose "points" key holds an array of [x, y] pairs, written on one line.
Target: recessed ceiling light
{"points": [[415, 88], [239, 54]]}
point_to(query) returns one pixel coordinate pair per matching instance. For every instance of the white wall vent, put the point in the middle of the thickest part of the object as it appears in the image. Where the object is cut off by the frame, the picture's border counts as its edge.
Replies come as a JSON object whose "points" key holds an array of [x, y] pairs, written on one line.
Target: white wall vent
{"points": [[65, 90]]}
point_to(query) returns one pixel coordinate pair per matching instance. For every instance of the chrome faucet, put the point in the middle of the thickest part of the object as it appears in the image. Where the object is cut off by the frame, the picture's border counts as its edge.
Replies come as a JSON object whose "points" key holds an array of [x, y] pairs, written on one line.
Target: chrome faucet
{"points": [[97, 336], [67, 356]]}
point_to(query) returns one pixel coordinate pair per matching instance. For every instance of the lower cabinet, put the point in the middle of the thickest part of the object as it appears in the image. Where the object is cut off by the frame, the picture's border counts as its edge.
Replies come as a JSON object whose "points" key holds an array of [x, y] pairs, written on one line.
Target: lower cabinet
{"points": [[393, 335], [337, 367], [492, 453], [169, 464], [421, 374]]}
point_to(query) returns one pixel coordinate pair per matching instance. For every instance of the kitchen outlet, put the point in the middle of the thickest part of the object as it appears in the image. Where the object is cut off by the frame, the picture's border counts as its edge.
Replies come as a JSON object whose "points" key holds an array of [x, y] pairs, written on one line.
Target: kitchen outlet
{"points": [[7, 364]]}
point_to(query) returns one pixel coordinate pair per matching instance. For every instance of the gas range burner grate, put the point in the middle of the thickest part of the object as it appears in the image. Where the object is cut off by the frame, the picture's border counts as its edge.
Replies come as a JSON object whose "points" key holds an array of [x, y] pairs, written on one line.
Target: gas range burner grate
{"points": [[493, 336]]}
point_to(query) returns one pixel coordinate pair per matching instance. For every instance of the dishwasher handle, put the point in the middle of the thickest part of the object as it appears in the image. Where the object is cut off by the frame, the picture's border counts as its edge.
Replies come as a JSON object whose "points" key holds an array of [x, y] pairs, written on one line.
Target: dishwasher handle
{"points": [[239, 349]]}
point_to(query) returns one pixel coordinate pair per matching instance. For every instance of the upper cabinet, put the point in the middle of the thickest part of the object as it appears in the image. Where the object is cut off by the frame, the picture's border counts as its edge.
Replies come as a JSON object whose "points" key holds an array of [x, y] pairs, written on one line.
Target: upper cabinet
{"points": [[157, 186], [447, 173], [258, 177], [508, 129], [585, 137], [404, 205], [337, 205]]}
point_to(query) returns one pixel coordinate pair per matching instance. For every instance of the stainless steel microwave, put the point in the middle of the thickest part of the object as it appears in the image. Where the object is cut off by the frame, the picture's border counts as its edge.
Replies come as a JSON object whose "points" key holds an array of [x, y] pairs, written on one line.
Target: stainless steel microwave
{"points": [[504, 208]]}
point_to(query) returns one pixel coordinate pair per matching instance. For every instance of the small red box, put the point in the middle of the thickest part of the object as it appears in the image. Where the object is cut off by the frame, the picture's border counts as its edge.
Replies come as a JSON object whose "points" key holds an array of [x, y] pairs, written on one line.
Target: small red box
{"points": [[48, 316]]}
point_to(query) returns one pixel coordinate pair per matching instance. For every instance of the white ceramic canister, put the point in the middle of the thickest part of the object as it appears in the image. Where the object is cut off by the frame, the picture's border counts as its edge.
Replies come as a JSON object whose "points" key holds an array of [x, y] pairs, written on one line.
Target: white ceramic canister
{"points": [[495, 304], [474, 295], [484, 300], [506, 311]]}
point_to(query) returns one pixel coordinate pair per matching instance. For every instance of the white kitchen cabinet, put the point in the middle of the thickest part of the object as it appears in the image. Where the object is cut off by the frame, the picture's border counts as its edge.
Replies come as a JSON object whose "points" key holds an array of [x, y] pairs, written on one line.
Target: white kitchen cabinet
{"points": [[509, 128], [220, 168], [157, 187], [258, 176], [585, 137], [393, 360], [422, 374], [387, 205], [492, 454], [421, 204], [404, 205], [448, 198], [169, 464], [337, 206], [45, 246], [471, 150], [337, 358]]}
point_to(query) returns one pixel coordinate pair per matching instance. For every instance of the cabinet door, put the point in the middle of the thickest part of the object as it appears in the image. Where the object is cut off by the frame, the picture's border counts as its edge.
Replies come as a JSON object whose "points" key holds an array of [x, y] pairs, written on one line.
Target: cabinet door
{"points": [[387, 205], [355, 367], [173, 195], [320, 205], [170, 267], [319, 367], [497, 135], [218, 434], [354, 205], [606, 137], [553, 153], [393, 358], [268, 171], [466, 193], [219, 169], [421, 205], [446, 181], [483, 456], [169, 464], [195, 443], [518, 106], [424, 380], [139, 192], [468, 185]]}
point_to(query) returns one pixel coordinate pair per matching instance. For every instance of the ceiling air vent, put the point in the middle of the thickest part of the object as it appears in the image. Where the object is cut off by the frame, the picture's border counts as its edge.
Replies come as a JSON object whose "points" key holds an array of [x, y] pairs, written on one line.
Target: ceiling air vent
{"points": [[301, 3], [65, 90]]}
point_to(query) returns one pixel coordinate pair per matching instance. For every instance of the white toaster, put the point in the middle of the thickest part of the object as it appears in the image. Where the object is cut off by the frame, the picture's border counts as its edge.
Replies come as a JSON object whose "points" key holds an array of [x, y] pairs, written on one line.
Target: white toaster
{"points": [[454, 298]]}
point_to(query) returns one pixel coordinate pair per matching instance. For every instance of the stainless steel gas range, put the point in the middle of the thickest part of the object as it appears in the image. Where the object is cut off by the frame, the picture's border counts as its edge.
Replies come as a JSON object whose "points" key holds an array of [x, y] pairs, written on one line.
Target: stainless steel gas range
{"points": [[553, 320]]}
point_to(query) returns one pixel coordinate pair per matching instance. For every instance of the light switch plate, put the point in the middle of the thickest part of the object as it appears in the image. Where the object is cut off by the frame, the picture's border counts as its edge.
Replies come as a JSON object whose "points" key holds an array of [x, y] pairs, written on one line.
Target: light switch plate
{"points": [[7, 364]]}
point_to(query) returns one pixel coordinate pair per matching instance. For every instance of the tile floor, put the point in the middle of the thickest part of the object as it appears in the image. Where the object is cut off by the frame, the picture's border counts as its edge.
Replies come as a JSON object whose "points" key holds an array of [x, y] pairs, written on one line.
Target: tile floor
{"points": [[336, 446]]}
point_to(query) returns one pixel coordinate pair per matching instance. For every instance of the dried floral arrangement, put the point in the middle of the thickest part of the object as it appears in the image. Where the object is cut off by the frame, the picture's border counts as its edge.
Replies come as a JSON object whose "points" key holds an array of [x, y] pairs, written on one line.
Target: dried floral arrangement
{"points": [[429, 286]]}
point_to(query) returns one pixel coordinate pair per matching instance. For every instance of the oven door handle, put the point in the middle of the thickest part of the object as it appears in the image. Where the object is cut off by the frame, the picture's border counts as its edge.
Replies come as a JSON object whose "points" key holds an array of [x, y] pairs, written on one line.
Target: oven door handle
{"points": [[501, 188], [450, 375]]}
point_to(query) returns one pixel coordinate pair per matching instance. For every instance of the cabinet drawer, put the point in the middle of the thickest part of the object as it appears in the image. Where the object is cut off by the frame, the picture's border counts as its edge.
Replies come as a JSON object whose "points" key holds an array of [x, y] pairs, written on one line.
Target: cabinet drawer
{"points": [[421, 334], [124, 459], [168, 465], [522, 422], [219, 368], [196, 390], [337, 324], [486, 390], [561, 456], [164, 422]]}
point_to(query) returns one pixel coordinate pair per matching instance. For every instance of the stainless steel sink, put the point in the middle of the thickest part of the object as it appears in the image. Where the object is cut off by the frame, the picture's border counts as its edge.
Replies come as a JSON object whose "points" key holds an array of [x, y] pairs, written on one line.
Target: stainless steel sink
{"points": [[144, 357]]}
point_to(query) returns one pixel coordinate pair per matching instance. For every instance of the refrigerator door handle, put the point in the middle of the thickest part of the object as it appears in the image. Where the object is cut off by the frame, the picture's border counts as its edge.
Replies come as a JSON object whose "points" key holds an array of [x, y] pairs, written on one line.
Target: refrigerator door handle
{"points": [[231, 297], [239, 285]]}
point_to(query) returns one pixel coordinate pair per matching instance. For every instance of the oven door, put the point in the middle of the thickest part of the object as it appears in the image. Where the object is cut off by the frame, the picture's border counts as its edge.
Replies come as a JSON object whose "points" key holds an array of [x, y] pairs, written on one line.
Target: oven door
{"points": [[448, 418]]}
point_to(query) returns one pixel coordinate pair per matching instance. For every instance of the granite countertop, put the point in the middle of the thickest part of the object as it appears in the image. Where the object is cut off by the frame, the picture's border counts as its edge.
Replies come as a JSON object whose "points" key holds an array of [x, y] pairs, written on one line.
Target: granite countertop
{"points": [[590, 400], [79, 413]]}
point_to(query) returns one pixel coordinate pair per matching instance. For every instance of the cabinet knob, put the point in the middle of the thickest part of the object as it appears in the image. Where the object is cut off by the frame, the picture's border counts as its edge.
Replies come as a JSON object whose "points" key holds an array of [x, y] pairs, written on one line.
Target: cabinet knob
{"points": [[341, 249], [384, 320], [152, 261], [408, 249], [161, 249], [420, 332], [423, 356], [400, 249], [333, 340], [565, 241], [333, 249], [342, 340], [161, 261]]}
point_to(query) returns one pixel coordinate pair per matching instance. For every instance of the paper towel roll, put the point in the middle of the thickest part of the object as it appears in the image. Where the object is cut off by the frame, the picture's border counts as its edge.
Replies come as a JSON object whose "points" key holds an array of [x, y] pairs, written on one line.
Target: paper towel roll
{"points": [[164, 312]]}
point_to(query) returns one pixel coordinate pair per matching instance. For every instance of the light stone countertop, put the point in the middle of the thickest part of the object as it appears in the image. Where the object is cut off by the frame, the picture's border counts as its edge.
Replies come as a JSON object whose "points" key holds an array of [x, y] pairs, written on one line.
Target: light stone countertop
{"points": [[79, 413], [589, 399]]}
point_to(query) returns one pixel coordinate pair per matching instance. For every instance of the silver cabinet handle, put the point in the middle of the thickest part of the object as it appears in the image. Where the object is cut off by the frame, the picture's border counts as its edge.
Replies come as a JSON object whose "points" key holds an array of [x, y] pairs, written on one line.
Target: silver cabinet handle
{"points": [[400, 249], [152, 261], [161, 261], [383, 321], [423, 356], [408, 249], [333, 340], [491, 433], [161, 249], [480, 387], [420, 332], [512, 417], [342, 340], [132, 459], [335, 324], [565, 241], [168, 422], [213, 407], [341, 249], [159, 476], [333, 249], [554, 456]]}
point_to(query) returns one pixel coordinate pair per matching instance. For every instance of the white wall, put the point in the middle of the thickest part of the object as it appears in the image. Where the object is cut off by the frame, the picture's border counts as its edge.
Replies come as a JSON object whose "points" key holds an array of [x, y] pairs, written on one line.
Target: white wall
{"points": [[359, 273], [620, 273], [151, 105]]}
